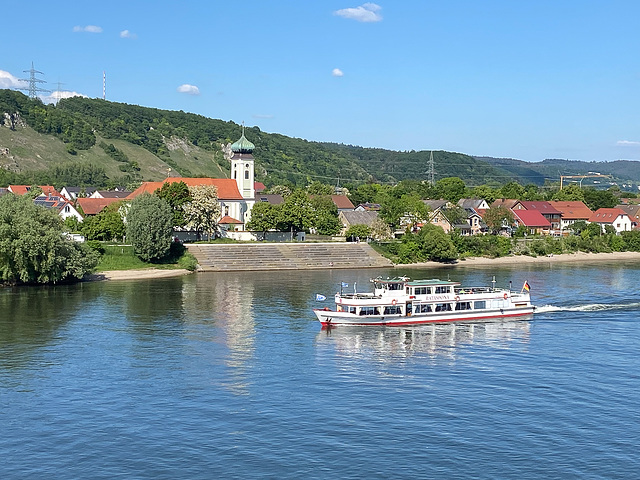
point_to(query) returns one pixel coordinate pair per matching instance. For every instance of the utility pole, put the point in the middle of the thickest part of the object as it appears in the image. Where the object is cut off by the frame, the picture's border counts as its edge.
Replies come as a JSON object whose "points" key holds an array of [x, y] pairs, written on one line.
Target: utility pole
{"points": [[33, 82]]}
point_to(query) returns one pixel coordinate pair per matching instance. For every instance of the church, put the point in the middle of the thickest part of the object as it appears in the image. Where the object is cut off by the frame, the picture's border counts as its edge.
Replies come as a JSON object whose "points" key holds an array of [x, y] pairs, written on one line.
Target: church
{"points": [[236, 195]]}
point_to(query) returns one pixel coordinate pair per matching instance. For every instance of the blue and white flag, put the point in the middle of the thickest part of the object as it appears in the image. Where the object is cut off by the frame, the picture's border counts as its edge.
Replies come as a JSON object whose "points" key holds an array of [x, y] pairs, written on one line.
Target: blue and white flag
{"points": [[345, 284], [320, 298]]}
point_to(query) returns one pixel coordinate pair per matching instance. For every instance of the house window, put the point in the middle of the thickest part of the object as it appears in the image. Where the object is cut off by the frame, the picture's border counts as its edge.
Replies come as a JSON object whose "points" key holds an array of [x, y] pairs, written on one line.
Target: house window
{"points": [[226, 210], [246, 174]]}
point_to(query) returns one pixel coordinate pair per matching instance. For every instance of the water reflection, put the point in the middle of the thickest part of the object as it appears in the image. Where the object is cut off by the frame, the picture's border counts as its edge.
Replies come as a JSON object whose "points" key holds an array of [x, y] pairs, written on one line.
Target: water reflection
{"points": [[398, 343]]}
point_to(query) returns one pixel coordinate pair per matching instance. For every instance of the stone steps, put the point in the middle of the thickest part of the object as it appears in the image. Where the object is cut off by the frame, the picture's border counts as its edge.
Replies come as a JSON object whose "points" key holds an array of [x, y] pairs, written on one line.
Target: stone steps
{"points": [[285, 256]]}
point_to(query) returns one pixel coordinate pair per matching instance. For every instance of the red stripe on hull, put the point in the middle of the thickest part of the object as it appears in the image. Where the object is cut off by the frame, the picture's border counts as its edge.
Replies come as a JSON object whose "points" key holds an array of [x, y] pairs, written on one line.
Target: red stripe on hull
{"points": [[424, 322]]}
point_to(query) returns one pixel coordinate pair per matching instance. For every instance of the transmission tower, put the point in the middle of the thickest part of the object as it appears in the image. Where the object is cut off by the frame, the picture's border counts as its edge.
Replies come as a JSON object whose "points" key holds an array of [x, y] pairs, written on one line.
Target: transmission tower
{"points": [[431, 171], [33, 82]]}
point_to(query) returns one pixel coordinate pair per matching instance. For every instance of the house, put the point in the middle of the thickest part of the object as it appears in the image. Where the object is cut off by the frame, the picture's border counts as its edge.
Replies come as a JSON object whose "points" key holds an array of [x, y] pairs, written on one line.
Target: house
{"points": [[368, 207], [272, 198], [508, 203], [547, 211], [59, 204], [532, 220], [570, 212], [259, 187], [615, 217], [71, 193], [634, 214], [24, 189], [354, 217], [475, 224], [93, 206], [342, 202], [228, 224], [121, 194], [473, 203], [231, 201]]}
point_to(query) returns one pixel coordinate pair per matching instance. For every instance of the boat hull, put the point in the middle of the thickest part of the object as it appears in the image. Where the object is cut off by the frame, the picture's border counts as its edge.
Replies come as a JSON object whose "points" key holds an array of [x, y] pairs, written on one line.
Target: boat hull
{"points": [[331, 318]]}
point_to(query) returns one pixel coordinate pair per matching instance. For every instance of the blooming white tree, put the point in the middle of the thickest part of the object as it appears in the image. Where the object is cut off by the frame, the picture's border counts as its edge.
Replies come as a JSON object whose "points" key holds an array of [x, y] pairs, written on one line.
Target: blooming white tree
{"points": [[202, 213]]}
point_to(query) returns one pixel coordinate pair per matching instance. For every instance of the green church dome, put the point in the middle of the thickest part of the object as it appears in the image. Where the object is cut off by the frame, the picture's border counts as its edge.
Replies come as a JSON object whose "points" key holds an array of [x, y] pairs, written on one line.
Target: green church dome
{"points": [[243, 145]]}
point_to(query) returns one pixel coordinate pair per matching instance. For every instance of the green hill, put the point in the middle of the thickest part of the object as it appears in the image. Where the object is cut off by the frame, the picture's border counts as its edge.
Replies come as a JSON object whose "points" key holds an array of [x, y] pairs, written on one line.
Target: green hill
{"points": [[92, 141]]}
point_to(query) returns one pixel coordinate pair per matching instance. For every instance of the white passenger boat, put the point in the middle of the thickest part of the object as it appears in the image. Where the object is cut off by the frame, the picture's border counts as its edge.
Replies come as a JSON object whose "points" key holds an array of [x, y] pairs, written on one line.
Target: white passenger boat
{"points": [[401, 301]]}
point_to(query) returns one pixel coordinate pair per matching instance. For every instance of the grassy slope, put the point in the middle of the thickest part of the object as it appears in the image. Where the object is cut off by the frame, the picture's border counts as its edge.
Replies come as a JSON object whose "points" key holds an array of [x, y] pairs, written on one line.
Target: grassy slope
{"points": [[34, 151]]}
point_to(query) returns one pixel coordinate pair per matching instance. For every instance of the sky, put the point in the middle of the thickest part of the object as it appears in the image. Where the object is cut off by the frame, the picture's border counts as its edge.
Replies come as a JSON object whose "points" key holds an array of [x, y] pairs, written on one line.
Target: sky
{"points": [[525, 79]]}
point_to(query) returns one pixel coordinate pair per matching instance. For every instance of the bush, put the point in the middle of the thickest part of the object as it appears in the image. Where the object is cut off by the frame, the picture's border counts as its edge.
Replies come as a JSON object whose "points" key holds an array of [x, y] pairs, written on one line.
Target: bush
{"points": [[149, 227], [96, 246]]}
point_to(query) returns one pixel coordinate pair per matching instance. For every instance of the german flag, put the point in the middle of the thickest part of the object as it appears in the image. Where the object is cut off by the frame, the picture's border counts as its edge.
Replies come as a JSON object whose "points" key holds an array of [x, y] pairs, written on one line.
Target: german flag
{"points": [[526, 286]]}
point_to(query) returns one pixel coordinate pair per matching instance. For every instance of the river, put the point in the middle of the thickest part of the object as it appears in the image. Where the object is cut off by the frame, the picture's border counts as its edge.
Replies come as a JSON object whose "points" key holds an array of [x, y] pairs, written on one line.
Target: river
{"points": [[228, 375]]}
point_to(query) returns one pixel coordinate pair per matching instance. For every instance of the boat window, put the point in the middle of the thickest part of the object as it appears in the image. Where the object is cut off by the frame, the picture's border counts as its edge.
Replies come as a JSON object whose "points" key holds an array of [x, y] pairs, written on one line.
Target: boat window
{"points": [[352, 310], [408, 291], [369, 310], [396, 286], [426, 308], [443, 307], [463, 306], [392, 310], [422, 291], [442, 289], [480, 305]]}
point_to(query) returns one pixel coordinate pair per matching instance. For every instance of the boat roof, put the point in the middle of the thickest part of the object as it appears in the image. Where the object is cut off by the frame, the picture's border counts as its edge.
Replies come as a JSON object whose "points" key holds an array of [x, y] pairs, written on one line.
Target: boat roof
{"points": [[415, 283], [433, 281]]}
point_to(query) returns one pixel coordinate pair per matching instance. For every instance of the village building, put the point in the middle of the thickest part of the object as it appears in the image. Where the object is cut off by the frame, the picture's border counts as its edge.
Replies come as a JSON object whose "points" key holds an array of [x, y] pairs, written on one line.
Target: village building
{"points": [[614, 217], [547, 211], [534, 222], [93, 206], [121, 194], [633, 210], [72, 193], [354, 217], [59, 204], [571, 212]]}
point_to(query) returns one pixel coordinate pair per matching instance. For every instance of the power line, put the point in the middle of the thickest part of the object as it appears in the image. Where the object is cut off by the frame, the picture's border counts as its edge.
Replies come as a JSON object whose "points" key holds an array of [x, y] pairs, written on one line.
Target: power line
{"points": [[33, 82]]}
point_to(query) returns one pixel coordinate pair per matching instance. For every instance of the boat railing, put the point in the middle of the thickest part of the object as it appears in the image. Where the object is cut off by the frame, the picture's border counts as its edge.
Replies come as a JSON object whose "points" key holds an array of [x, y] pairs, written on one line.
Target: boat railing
{"points": [[467, 290], [359, 296]]}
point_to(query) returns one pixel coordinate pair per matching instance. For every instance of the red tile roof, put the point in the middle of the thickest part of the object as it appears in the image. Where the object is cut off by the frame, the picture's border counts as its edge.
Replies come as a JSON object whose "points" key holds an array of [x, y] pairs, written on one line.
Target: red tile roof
{"points": [[572, 210], [606, 215], [541, 206], [227, 187], [227, 220], [22, 189], [93, 206], [531, 218], [259, 187], [342, 201]]}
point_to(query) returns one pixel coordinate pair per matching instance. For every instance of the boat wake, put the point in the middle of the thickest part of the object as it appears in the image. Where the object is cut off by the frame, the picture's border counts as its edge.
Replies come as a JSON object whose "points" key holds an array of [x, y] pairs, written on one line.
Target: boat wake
{"points": [[593, 307]]}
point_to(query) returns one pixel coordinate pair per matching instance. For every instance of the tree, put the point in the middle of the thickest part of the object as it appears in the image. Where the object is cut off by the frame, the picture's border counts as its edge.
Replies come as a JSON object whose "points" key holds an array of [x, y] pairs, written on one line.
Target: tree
{"points": [[150, 227], [264, 217], [571, 192], [177, 195], [512, 190], [297, 212], [380, 231], [326, 220], [497, 217], [489, 194], [33, 248], [451, 188], [319, 188], [106, 225], [203, 211], [357, 232], [596, 199]]}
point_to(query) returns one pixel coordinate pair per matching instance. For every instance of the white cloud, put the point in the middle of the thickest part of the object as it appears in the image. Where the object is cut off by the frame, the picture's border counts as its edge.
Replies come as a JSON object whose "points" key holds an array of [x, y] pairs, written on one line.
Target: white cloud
{"points": [[88, 29], [127, 34], [336, 72], [189, 89], [59, 95], [627, 143], [367, 12], [9, 81]]}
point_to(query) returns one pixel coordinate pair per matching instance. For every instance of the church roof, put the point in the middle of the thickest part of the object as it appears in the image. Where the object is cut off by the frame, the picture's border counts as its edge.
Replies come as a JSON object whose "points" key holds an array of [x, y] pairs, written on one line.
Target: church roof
{"points": [[227, 188], [243, 145]]}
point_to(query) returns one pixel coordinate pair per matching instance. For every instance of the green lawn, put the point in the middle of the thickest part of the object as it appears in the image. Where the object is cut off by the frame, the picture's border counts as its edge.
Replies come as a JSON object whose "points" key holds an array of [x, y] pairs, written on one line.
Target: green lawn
{"points": [[121, 257]]}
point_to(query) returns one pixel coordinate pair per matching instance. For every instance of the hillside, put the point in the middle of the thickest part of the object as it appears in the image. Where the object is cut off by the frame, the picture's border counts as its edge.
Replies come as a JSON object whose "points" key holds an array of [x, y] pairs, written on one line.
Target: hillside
{"points": [[93, 141], [623, 172]]}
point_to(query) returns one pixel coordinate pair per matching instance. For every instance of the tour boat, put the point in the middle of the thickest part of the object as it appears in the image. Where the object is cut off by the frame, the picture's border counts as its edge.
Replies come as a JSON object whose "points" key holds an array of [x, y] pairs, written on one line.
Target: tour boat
{"points": [[401, 301]]}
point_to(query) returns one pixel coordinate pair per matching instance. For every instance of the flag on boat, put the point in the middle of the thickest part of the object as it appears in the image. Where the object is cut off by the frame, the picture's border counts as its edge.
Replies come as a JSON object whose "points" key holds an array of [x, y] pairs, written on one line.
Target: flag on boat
{"points": [[344, 284], [526, 286], [320, 298]]}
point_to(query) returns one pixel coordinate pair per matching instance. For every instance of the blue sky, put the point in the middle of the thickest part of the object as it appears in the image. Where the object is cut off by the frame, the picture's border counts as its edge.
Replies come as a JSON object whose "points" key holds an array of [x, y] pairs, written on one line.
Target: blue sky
{"points": [[527, 79]]}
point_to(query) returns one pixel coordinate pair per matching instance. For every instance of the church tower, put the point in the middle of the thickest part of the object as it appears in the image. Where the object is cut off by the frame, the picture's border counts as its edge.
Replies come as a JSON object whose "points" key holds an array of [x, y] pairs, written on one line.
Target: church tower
{"points": [[242, 167]]}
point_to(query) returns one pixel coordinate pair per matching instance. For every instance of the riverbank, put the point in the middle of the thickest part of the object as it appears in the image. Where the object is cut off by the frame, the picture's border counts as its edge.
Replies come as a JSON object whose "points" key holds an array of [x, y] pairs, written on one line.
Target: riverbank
{"points": [[579, 257], [137, 274]]}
